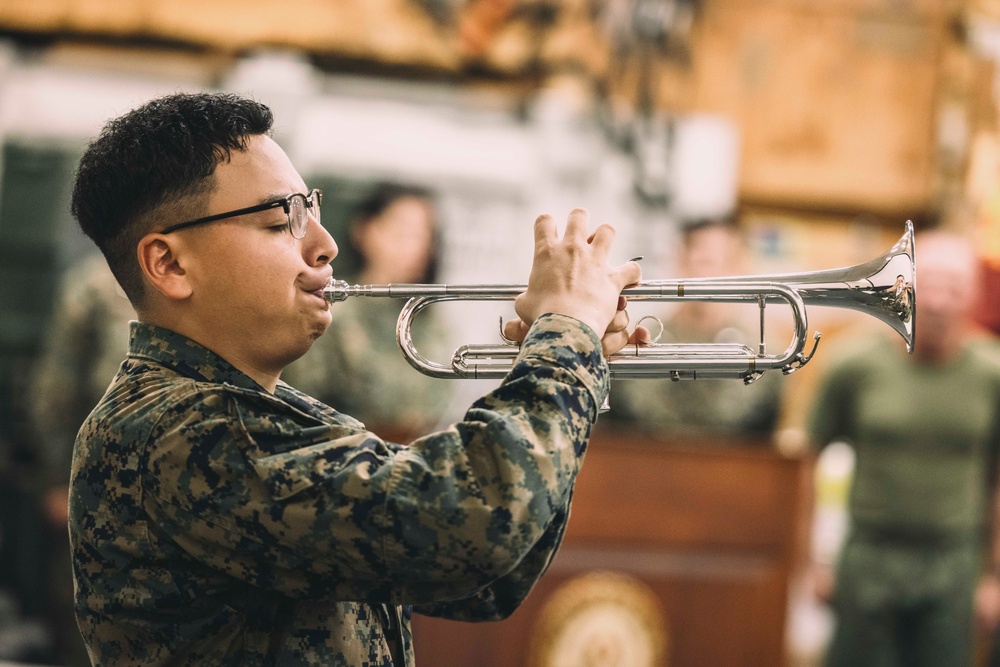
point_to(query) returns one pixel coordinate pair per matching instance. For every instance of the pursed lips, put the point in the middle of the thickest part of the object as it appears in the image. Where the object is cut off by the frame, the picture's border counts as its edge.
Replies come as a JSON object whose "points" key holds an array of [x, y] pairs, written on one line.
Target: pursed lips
{"points": [[317, 293], [316, 288]]}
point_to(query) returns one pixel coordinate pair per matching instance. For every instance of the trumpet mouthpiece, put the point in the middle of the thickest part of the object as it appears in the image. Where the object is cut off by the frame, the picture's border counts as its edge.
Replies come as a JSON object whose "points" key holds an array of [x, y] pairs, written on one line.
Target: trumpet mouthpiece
{"points": [[336, 290]]}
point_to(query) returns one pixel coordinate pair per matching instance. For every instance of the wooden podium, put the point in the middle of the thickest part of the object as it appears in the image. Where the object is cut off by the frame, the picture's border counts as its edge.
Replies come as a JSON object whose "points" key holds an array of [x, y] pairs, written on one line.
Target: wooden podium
{"points": [[677, 554]]}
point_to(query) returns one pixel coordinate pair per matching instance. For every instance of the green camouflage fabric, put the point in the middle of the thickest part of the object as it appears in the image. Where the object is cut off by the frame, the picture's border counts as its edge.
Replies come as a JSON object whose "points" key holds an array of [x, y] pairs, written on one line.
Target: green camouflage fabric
{"points": [[214, 523], [356, 367]]}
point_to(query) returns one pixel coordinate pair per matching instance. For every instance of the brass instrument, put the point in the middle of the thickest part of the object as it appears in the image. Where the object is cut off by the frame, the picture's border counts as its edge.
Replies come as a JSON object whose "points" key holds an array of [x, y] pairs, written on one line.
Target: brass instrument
{"points": [[883, 288]]}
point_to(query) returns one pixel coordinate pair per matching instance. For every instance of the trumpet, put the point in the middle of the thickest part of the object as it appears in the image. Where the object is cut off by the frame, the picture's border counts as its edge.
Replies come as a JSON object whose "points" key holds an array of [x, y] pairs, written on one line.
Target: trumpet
{"points": [[884, 288]]}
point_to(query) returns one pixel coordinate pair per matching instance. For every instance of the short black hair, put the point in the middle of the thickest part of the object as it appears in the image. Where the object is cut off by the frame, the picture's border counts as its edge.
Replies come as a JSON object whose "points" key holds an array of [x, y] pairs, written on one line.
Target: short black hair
{"points": [[157, 161]]}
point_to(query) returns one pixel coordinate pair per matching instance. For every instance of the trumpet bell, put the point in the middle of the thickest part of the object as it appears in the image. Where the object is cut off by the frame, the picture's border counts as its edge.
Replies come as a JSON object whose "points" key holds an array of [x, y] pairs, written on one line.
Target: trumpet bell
{"points": [[884, 287]]}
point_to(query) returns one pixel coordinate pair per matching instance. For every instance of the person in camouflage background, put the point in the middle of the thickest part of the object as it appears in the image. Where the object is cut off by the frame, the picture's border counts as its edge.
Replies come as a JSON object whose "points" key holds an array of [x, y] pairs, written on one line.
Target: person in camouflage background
{"points": [[356, 366], [85, 343], [922, 555], [220, 517]]}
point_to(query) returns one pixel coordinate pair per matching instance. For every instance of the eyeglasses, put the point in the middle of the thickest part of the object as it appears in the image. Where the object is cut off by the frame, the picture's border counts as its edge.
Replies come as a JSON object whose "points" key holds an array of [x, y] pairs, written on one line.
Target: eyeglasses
{"points": [[296, 207]]}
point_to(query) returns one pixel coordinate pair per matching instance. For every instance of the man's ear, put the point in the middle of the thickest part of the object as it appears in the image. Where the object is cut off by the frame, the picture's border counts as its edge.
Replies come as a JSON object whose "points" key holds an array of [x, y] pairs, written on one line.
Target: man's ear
{"points": [[160, 262]]}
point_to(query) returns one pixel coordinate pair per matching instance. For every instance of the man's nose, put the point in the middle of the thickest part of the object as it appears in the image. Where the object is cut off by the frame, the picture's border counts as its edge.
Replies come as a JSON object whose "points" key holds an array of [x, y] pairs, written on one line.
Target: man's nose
{"points": [[319, 244]]}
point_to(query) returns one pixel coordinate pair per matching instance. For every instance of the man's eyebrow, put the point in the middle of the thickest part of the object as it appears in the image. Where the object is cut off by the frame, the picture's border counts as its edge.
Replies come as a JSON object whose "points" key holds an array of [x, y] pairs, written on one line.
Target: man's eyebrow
{"points": [[273, 197]]}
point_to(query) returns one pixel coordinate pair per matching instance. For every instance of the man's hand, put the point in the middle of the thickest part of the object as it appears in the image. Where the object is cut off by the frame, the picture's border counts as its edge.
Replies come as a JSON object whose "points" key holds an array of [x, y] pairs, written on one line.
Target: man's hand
{"points": [[571, 276], [615, 337]]}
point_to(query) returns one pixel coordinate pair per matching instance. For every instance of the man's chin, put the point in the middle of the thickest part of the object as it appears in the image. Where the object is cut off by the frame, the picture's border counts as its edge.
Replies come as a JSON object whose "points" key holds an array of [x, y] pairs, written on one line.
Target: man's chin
{"points": [[318, 330], [306, 343]]}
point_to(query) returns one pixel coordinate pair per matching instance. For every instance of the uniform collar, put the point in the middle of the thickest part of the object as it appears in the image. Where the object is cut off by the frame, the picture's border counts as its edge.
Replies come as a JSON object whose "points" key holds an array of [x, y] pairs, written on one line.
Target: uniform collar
{"points": [[191, 359]]}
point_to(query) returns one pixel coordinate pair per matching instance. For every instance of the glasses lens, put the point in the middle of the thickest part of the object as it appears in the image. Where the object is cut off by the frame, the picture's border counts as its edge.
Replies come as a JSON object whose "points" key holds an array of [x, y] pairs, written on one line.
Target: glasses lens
{"points": [[298, 218], [315, 202], [299, 209]]}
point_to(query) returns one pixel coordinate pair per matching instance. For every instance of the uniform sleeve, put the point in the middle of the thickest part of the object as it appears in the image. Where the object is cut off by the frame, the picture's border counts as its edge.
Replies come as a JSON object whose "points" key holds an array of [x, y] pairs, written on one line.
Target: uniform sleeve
{"points": [[317, 510], [502, 597]]}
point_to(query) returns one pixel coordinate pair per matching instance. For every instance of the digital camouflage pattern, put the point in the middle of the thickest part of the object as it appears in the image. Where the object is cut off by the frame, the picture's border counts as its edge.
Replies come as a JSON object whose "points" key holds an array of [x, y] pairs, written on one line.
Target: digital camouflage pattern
{"points": [[213, 523]]}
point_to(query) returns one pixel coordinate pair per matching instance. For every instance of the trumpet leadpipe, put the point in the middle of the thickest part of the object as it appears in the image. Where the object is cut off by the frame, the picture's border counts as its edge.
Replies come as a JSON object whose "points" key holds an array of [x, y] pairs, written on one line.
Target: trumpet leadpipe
{"points": [[339, 290]]}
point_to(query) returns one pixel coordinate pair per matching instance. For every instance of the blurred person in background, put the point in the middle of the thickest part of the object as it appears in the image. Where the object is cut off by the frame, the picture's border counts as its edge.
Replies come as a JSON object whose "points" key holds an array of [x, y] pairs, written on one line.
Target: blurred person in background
{"points": [[921, 553], [85, 343], [713, 407], [217, 515], [25, 635], [356, 366]]}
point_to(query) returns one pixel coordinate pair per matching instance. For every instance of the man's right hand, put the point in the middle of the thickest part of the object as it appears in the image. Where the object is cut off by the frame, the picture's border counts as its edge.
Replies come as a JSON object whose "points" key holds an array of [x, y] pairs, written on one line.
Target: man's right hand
{"points": [[571, 275], [615, 337]]}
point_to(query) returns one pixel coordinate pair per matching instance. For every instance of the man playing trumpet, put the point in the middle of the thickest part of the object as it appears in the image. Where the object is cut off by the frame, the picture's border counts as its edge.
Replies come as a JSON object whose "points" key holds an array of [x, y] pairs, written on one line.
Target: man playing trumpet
{"points": [[220, 517]]}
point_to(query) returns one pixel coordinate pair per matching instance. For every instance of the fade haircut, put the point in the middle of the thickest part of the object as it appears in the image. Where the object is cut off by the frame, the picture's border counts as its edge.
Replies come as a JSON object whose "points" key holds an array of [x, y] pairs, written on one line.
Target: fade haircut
{"points": [[154, 165]]}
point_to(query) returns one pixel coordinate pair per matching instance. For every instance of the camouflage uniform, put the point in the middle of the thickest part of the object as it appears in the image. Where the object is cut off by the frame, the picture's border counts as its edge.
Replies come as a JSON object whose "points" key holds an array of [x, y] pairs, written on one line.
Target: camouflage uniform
{"points": [[356, 367], [925, 437], [214, 523]]}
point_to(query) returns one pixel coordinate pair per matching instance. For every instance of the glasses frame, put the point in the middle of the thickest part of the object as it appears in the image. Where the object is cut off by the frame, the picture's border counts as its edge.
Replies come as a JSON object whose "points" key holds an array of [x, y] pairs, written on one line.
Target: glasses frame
{"points": [[284, 202]]}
